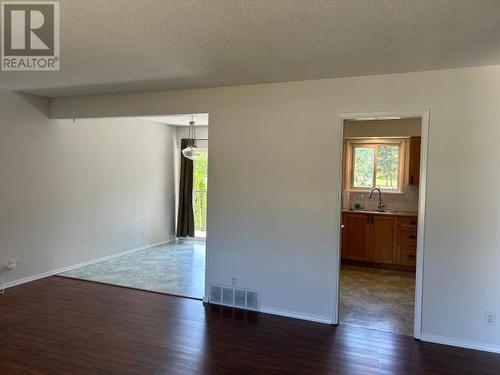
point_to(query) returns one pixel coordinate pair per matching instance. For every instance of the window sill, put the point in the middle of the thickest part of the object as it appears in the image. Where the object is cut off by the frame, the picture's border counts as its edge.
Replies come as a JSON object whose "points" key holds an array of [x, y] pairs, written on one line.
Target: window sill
{"points": [[368, 191]]}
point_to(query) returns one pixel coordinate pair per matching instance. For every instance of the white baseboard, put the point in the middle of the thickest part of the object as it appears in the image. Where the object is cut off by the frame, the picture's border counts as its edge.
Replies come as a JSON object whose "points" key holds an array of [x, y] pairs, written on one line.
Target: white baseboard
{"points": [[83, 264], [436, 339], [291, 314]]}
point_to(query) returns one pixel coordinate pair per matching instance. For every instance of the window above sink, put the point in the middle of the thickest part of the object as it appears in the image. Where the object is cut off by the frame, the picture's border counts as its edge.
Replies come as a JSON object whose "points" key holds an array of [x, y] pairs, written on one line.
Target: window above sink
{"points": [[375, 162]]}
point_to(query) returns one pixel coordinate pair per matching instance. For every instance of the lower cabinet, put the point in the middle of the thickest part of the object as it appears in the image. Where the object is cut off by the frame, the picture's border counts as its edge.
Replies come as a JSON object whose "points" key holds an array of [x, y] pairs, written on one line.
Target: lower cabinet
{"points": [[383, 239], [407, 242], [355, 237]]}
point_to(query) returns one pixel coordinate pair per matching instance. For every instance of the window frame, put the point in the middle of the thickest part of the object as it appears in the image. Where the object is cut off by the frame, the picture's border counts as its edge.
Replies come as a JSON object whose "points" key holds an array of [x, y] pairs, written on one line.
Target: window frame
{"points": [[352, 143]]}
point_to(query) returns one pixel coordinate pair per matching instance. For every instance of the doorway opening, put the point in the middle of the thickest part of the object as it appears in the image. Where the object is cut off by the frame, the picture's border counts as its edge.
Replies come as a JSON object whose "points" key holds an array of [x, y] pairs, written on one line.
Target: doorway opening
{"points": [[382, 217], [151, 255]]}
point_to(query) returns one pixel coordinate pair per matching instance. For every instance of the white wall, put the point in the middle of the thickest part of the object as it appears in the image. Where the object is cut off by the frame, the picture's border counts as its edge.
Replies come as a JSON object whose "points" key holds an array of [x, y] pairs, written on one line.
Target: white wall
{"points": [[75, 192], [274, 186]]}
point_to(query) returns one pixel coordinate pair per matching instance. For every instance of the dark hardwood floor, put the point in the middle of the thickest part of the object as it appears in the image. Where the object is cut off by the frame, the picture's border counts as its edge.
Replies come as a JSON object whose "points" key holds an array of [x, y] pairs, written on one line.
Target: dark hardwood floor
{"points": [[65, 326]]}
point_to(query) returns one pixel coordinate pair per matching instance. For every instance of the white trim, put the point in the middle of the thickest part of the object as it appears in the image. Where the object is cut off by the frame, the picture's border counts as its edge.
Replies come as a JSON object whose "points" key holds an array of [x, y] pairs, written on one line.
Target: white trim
{"points": [[370, 142], [382, 138], [294, 315], [425, 116], [340, 184], [368, 191], [475, 345], [422, 188], [83, 264]]}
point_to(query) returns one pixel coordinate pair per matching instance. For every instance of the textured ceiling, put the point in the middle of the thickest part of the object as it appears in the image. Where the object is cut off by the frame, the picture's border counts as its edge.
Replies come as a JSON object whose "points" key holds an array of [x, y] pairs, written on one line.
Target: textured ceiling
{"points": [[112, 46]]}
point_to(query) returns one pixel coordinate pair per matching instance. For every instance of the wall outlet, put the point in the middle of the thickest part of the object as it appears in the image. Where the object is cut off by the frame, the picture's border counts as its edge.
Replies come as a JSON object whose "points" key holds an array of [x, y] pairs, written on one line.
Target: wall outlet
{"points": [[490, 319], [11, 264]]}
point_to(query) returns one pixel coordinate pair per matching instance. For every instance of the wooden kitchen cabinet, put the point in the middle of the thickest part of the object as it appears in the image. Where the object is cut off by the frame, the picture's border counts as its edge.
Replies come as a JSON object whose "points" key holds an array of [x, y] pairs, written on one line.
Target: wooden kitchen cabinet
{"points": [[383, 240], [367, 237], [407, 241], [384, 236], [407, 257], [355, 237], [414, 165]]}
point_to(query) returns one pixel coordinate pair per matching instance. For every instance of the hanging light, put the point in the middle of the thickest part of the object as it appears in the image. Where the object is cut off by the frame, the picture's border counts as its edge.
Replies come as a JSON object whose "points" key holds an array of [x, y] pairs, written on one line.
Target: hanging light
{"points": [[191, 151]]}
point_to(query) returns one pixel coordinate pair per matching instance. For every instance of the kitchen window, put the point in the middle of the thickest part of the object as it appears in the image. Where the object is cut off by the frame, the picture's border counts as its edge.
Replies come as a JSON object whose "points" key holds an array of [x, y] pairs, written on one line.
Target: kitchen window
{"points": [[375, 163]]}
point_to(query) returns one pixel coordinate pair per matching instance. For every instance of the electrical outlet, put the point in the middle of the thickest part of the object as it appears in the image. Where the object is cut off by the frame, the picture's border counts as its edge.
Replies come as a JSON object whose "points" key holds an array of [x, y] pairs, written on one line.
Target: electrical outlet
{"points": [[490, 319], [233, 281], [11, 264]]}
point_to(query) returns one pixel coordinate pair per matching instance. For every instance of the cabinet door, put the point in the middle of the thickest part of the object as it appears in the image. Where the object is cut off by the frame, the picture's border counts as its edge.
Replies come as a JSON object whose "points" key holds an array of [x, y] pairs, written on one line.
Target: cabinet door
{"points": [[355, 236], [407, 256], [408, 238], [384, 236], [414, 165]]}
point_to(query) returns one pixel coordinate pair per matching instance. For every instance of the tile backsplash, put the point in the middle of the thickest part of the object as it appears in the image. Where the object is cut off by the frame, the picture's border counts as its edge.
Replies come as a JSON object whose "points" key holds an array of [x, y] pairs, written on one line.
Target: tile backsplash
{"points": [[406, 201]]}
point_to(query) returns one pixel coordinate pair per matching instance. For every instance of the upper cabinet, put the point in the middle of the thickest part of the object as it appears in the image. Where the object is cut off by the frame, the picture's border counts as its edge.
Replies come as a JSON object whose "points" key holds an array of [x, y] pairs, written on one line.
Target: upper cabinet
{"points": [[414, 166]]}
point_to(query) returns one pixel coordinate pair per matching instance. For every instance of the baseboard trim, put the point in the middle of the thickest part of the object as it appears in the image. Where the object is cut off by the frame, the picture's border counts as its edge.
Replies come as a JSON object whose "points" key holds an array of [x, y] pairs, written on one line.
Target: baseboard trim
{"points": [[294, 315], [83, 264], [436, 339]]}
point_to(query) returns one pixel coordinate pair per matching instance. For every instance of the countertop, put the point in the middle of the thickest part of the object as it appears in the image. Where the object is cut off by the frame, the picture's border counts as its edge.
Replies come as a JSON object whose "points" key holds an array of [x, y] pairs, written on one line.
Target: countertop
{"points": [[389, 213]]}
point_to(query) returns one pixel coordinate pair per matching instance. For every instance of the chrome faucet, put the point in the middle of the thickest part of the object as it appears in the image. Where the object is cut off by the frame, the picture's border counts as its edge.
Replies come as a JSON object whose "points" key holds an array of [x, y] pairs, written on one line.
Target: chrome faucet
{"points": [[380, 204]]}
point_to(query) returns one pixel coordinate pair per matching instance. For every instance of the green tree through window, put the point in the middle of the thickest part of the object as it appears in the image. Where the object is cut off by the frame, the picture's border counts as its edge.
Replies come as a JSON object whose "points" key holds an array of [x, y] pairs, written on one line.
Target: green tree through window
{"points": [[363, 166], [387, 167], [200, 192], [376, 165]]}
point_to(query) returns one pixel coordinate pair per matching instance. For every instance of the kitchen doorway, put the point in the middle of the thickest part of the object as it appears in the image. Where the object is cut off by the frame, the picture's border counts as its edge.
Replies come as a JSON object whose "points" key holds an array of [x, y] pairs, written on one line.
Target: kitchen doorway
{"points": [[382, 216]]}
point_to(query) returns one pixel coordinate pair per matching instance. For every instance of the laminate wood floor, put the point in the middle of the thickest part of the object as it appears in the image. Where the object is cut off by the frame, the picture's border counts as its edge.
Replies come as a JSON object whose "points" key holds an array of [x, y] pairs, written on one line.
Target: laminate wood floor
{"points": [[65, 326]]}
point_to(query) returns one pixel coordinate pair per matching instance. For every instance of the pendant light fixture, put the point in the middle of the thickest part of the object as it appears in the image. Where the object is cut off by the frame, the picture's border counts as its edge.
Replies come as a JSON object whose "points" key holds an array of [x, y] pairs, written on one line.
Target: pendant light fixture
{"points": [[191, 151]]}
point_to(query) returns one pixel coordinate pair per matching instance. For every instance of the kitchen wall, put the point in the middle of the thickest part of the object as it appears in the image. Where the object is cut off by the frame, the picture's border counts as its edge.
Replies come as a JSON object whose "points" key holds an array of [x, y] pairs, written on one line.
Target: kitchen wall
{"points": [[407, 199], [408, 127], [275, 182], [73, 192]]}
